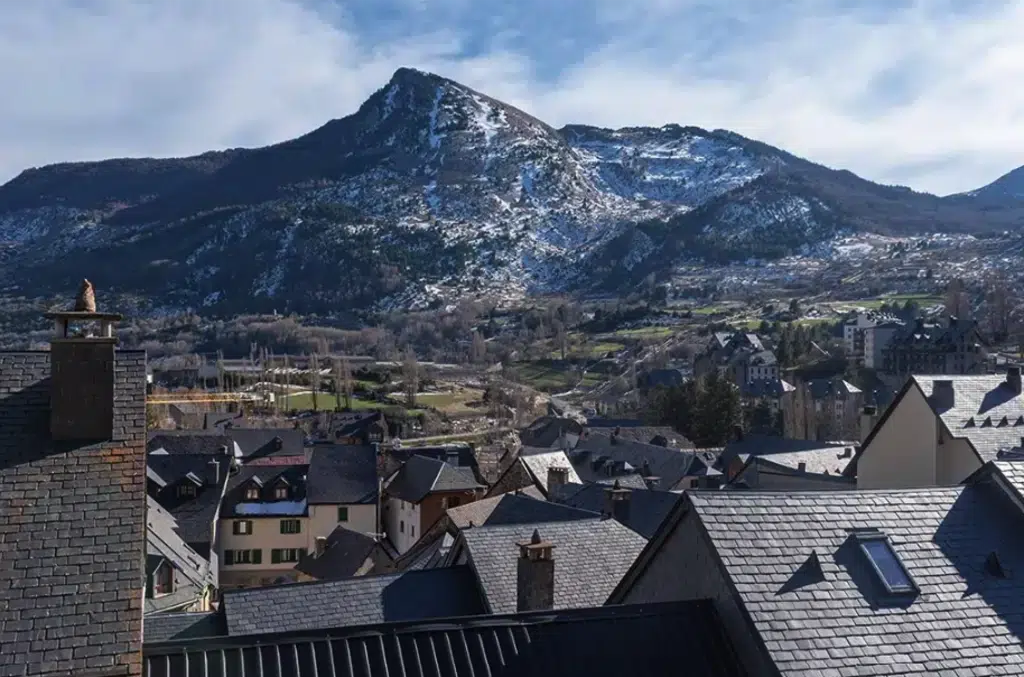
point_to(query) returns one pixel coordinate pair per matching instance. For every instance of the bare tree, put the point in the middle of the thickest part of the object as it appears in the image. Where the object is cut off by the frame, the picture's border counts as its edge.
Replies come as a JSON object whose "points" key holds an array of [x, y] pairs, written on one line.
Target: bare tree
{"points": [[343, 386], [478, 350], [410, 377], [314, 378], [561, 337]]}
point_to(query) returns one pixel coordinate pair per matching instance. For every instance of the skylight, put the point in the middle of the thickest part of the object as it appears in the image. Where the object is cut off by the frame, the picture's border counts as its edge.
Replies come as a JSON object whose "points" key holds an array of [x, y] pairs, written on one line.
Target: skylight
{"points": [[885, 562]]}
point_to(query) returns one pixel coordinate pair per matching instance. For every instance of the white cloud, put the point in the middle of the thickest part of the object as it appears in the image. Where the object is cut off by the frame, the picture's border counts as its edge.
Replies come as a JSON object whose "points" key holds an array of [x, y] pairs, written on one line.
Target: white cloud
{"points": [[925, 98]]}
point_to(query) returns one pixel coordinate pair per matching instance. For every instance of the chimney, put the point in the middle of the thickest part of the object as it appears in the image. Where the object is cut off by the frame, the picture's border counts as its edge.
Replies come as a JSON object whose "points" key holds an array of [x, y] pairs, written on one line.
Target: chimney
{"points": [[557, 477], [535, 575], [616, 502], [319, 546], [867, 421], [277, 443], [943, 396], [452, 458], [82, 371], [1013, 379]]}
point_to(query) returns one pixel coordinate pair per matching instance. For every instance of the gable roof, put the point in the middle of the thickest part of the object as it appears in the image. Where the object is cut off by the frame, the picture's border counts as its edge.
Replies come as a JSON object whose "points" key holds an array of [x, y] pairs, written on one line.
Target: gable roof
{"points": [[342, 474], [647, 508], [591, 556], [260, 442], [654, 640], [407, 596], [345, 553], [162, 539], [420, 476], [176, 442], [194, 516], [547, 431], [266, 478], [539, 461], [348, 423], [645, 434], [72, 552], [817, 456], [593, 453], [839, 617], [985, 410]]}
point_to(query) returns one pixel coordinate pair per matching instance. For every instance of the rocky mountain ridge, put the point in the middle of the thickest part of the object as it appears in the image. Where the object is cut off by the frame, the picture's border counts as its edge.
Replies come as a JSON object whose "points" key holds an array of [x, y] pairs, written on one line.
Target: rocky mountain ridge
{"points": [[432, 191]]}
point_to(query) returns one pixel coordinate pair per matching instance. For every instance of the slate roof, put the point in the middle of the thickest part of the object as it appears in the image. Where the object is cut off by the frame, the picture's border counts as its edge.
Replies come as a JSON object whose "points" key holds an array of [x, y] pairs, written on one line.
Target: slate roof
{"points": [[216, 420], [984, 410], [72, 519], [364, 600], [538, 464], [342, 474], [165, 627], [259, 442], [594, 455], [163, 540], [176, 442], [266, 478], [546, 432], [194, 516], [964, 620], [351, 423], [647, 508], [591, 556], [767, 387], [655, 640], [643, 433], [818, 457], [346, 552], [420, 476]]}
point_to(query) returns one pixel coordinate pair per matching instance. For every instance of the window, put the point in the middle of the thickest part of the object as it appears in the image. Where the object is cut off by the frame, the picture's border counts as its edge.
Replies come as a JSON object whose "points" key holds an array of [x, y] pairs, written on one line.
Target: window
{"points": [[401, 526], [886, 563], [243, 557], [342, 513], [187, 490], [453, 501], [412, 531], [241, 527], [283, 555], [252, 494], [291, 527], [163, 579], [280, 492]]}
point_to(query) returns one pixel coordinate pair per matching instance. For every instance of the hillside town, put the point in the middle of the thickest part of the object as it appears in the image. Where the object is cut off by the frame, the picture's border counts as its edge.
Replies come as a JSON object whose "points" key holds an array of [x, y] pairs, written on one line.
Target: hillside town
{"points": [[861, 537]]}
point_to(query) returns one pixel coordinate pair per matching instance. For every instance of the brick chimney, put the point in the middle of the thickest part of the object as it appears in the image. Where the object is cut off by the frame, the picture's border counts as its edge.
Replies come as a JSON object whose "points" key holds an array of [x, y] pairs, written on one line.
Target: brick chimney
{"points": [[535, 575], [82, 372], [1013, 379], [616, 502], [557, 477]]}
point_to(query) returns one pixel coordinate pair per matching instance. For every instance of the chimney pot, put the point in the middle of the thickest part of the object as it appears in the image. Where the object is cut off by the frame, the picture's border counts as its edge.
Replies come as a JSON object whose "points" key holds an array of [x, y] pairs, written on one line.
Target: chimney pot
{"points": [[320, 546], [557, 477], [535, 575], [617, 502]]}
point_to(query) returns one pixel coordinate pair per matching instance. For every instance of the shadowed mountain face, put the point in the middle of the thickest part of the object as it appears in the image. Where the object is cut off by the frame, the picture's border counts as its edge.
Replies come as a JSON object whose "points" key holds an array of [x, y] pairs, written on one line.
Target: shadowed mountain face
{"points": [[430, 191]]}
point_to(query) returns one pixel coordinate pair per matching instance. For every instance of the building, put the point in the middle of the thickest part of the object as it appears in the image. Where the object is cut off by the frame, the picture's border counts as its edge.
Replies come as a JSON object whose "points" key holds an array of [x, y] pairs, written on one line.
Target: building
{"points": [[534, 470], [916, 581], [865, 333], [73, 502], [770, 463], [642, 510], [344, 554], [177, 577], [602, 459], [418, 494], [357, 428], [940, 429], [739, 356], [877, 339], [928, 349], [823, 409]]}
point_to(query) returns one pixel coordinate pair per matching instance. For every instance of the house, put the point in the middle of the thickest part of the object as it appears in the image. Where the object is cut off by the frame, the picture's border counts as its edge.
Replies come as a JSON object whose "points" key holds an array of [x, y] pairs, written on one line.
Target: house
{"points": [[940, 429], [770, 392], [342, 490], [739, 356], [417, 495], [637, 431], [73, 502], [877, 339], [605, 459], [264, 529], [825, 458], [190, 486], [508, 508], [642, 510], [253, 443], [581, 562], [188, 442], [551, 432], [929, 349], [823, 409], [357, 427], [187, 415], [177, 577], [911, 581], [456, 454], [534, 470], [343, 554], [866, 334], [568, 643], [365, 600]]}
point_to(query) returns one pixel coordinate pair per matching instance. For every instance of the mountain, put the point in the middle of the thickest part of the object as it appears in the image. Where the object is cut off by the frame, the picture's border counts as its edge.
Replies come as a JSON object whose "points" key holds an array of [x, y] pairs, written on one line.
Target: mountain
{"points": [[1008, 189], [431, 191]]}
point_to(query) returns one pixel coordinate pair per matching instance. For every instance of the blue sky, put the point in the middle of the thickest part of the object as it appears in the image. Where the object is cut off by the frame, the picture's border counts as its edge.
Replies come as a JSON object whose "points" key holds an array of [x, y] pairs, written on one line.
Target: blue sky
{"points": [[922, 93]]}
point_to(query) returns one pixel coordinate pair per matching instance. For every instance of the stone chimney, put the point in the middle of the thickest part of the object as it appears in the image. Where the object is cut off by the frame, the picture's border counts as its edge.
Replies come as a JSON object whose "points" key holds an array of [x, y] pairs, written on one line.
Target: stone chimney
{"points": [[535, 575], [557, 477], [1013, 379], [867, 421], [82, 371], [616, 502], [319, 546]]}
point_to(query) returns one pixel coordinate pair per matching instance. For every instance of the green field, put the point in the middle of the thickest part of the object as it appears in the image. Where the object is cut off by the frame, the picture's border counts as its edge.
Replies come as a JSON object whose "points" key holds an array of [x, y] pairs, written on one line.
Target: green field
{"points": [[644, 332], [324, 402]]}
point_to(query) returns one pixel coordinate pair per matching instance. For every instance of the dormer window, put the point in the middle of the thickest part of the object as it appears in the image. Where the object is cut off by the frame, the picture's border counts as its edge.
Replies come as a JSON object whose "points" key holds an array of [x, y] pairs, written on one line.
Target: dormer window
{"points": [[885, 562], [163, 580], [252, 494], [186, 490], [281, 492]]}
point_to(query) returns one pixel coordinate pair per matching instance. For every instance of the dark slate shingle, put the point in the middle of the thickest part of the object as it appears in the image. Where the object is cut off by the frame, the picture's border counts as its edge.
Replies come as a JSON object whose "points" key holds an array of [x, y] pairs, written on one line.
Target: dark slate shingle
{"points": [[647, 508], [342, 474]]}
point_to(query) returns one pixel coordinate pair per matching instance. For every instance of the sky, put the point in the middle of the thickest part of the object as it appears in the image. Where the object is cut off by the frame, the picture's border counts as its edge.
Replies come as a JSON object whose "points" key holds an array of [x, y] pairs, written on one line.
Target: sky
{"points": [[922, 93]]}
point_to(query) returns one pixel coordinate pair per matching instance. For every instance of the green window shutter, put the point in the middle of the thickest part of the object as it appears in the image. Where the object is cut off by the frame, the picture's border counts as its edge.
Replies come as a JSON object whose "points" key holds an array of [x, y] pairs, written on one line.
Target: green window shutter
{"points": [[257, 556], [275, 556], [342, 513], [298, 526], [283, 528], [234, 528], [229, 557]]}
